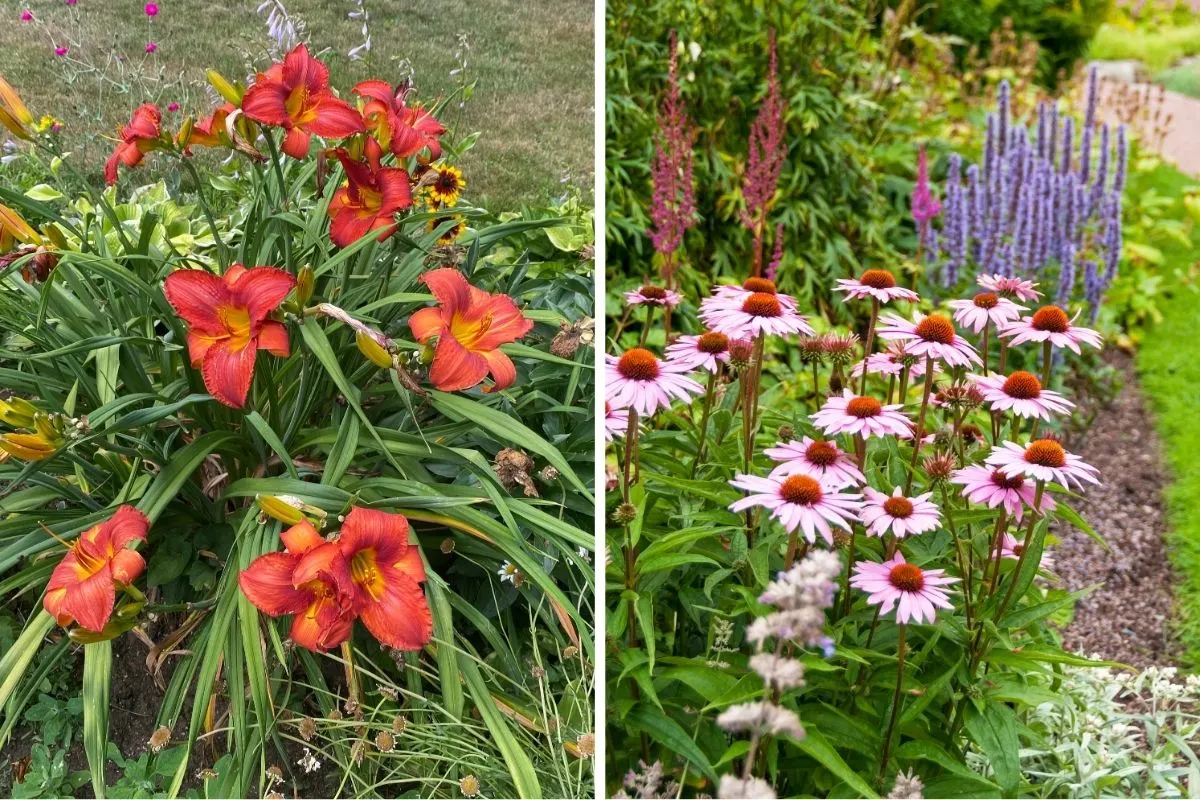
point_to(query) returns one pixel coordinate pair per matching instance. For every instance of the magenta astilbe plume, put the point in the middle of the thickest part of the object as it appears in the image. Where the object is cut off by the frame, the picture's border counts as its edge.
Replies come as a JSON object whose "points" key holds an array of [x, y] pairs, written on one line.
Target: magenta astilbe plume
{"points": [[767, 149], [925, 206], [777, 256], [673, 210]]}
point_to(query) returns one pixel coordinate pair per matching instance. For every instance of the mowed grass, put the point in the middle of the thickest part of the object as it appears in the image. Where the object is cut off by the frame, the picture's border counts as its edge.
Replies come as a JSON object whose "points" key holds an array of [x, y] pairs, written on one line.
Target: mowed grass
{"points": [[1169, 367], [532, 63]]}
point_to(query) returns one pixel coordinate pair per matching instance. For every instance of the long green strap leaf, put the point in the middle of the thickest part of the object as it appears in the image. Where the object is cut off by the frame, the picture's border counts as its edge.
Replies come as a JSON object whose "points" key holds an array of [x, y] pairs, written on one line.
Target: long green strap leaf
{"points": [[97, 675], [515, 758]]}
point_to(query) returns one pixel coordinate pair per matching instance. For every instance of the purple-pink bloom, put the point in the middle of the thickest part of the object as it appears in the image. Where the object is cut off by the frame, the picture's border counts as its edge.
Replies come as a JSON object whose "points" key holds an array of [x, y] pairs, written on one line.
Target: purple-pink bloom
{"points": [[991, 487], [878, 284], [151, 9], [1022, 394], [1042, 460], [901, 516], [860, 415], [985, 308], [915, 593], [932, 335], [173, 107], [799, 501], [151, 47], [638, 380], [753, 314], [673, 206], [1051, 324], [616, 422], [706, 351], [824, 461], [60, 50], [650, 295], [925, 206], [26, 16]]}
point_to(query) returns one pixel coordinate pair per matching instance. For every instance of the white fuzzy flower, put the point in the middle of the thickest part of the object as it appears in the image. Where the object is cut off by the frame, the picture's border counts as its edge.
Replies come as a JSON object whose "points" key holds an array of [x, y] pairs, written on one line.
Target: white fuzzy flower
{"points": [[753, 789], [761, 717], [778, 672]]}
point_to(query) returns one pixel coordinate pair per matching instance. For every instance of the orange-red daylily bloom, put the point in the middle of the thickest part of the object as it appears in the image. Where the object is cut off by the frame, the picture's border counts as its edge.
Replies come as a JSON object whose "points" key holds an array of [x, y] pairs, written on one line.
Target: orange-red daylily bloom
{"points": [[82, 587], [309, 580], [370, 199], [470, 325], [142, 135], [295, 95], [228, 324], [387, 573], [403, 129]]}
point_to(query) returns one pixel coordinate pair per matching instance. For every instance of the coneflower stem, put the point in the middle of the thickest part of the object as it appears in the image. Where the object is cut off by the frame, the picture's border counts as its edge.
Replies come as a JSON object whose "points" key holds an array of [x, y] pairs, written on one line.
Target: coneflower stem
{"points": [[869, 342], [986, 330], [903, 396], [897, 697], [1003, 354], [646, 330], [919, 430], [1047, 365], [962, 560], [846, 579], [708, 399], [1012, 586]]}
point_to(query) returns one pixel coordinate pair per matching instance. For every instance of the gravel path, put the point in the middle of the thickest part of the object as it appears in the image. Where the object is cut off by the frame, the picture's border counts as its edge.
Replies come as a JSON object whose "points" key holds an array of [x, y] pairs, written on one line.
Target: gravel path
{"points": [[1128, 618], [1179, 144]]}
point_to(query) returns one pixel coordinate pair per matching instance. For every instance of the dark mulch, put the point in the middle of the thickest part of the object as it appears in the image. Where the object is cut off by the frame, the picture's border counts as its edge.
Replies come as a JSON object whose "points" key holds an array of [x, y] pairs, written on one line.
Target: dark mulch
{"points": [[1128, 618]]}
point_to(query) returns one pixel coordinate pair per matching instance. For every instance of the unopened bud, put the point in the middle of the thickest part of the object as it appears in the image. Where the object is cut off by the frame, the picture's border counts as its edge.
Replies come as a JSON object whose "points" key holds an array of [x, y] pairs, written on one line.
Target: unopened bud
{"points": [[224, 88], [625, 513], [284, 508], [304, 285], [374, 352]]}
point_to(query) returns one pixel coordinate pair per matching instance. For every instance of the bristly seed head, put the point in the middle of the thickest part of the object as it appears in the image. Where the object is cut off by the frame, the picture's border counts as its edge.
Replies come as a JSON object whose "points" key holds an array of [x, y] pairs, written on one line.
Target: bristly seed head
{"points": [[801, 490], [760, 285], [907, 577], [822, 454], [761, 304], [1023, 386], [863, 407], [987, 300], [653, 292], [713, 343], [878, 279], [1046, 453], [936, 328], [638, 364], [898, 507], [1052, 319]]}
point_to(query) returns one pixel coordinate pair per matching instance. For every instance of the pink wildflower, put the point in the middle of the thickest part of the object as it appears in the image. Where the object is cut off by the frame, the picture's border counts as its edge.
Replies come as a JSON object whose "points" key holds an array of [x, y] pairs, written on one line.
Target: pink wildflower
{"points": [[916, 592]]}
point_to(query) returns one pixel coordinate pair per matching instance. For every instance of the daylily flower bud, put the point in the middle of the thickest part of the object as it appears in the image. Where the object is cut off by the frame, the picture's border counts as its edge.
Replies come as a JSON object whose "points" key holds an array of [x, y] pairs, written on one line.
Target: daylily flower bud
{"points": [[185, 133], [121, 622], [304, 286], [17, 412], [28, 446], [47, 427], [229, 91], [374, 352], [13, 113], [284, 508]]}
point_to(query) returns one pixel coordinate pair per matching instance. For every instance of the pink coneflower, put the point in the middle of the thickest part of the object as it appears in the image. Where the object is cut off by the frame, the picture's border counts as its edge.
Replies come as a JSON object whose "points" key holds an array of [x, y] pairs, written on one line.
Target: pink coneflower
{"points": [[891, 361], [27, 16], [983, 308], [824, 461], [991, 487], [876, 283], [1012, 547], [1021, 393], [707, 351], [638, 380], [60, 51], [650, 295], [865, 416], [932, 335], [151, 47], [915, 593], [759, 313], [173, 107], [799, 500], [1017, 287], [1051, 323], [151, 9], [903, 516], [1043, 460], [752, 286], [616, 422]]}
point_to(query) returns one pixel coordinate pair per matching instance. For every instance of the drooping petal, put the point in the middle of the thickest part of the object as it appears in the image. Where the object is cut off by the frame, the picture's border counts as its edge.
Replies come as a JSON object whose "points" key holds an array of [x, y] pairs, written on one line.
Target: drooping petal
{"points": [[266, 102], [267, 583], [376, 89], [450, 289], [127, 565], [400, 617], [110, 166], [301, 537], [324, 563], [53, 602], [396, 189], [335, 119], [146, 123], [91, 600], [507, 323], [454, 367], [295, 143], [370, 528], [126, 526], [228, 373], [273, 337], [411, 564], [195, 295], [503, 371], [260, 291], [426, 322], [198, 344]]}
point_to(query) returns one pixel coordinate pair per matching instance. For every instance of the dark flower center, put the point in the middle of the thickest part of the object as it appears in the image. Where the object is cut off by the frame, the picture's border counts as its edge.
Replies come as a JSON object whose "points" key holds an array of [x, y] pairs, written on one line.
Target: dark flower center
{"points": [[986, 300], [823, 454], [447, 182], [971, 433], [863, 407], [1023, 386], [713, 343], [936, 328], [1018, 549], [761, 304], [907, 578], [653, 292], [638, 364], [801, 490], [1052, 319], [1012, 483], [878, 279], [1046, 453], [762, 285], [898, 507]]}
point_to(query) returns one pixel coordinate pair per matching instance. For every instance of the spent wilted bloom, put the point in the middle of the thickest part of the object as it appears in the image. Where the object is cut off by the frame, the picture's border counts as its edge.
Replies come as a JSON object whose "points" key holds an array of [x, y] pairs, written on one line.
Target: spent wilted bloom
{"points": [[651, 295], [878, 284], [159, 739], [308, 762], [469, 786], [512, 468], [915, 593], [865, 416], [509, 572], [892, 361], [1022, 394], [673, 207], [761, 717], [1051, 323], [799, 501], [647, 782], [932, 335], [896, 514], [735, 788], [1042, 460], [587, 744], [385, 742], [822, 460], [907, 787], [307, 728], [985, 308], [706, 351], [637, 379]]}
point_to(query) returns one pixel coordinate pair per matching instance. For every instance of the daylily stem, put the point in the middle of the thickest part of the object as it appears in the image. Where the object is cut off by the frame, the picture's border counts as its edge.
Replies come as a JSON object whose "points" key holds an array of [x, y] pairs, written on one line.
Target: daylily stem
{"points": [[222, 254]]}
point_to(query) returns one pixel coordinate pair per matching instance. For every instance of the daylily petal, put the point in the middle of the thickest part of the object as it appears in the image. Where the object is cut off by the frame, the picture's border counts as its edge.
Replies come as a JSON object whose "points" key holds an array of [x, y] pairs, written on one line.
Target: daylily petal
{"points": [[425, 323], [195, 295], [449, 288], [295, 143], [198, 345], [260, 291], [53, 602], [336, 119], [504, 372], [127, 565], [371, 528], [324, 563], [228, 373], [273, 337], [146, 123], [376, 89], [454, 367], [266, 102], [324, 624], [126, 526], [507, 323], [91, 600], [301, 69], [345, 226], [301, 537], [400, 617], [411, 564], [396, 189], [267, 583]]}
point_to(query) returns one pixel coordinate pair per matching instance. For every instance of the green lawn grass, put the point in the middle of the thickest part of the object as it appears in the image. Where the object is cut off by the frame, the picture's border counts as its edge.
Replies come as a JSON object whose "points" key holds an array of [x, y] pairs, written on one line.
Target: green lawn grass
{"points": [[1183, 79], [532, 62], [1157, 49], [1169, 367]]}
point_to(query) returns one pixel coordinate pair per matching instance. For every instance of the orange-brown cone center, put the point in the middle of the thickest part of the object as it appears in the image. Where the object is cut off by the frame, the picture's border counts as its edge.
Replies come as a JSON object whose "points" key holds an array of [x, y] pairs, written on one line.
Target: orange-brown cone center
{"points": [[986, 300], [1005, 482], [760, 285], [1046, 453], [654, 292], [761, 304], [1023, 386], [898, 507], [878, 279], [936, 328], [1052, 319], [862, 407], [638, 364], [823, 454], [801, 490], [907, 578], [713, 343]]}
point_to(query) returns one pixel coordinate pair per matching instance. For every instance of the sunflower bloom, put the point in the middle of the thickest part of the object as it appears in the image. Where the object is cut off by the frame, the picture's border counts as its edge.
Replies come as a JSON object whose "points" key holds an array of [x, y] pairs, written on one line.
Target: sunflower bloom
{"points": [[470, 325]]}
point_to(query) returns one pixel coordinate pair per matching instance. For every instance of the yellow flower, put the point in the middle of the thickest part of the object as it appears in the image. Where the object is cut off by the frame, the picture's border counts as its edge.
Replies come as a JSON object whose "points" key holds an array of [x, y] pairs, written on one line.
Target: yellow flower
{"points": [[447, 185], [46, 123], [451, 234], [28, 446]]}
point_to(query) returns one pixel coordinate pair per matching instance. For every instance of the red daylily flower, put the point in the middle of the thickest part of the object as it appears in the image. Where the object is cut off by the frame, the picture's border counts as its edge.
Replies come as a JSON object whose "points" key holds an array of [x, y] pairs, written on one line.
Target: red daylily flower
{"points": [[82, 587], [470, 325], [387, 572], [228, 324], [142, 135], [370, 199], [309, 580], [403, 129], [295, 95]]}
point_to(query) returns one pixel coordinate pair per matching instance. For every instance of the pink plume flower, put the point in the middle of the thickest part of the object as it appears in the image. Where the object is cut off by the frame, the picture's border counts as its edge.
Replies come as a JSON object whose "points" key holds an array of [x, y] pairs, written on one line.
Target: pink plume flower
{"points": [[151, 47], [151, 9], [26, 16], [924, 205], [173, 107], [60, 51], [673, 206], [767, 149]]}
